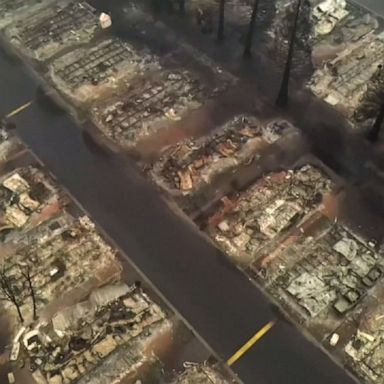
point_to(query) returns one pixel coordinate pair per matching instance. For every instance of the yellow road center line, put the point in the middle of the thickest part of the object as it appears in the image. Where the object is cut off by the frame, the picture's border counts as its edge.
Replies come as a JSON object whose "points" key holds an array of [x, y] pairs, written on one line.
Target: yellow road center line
{"points": [[19, 110], [251, 342]]}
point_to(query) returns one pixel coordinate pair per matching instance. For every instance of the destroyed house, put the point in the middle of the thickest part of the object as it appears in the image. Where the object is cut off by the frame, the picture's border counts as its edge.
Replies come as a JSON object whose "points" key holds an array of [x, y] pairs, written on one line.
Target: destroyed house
{"points": [[193, 163], [97, 340], [13, 10], [325, 275], [25, 196], [84, 74], [61, 255], [343, 81], [152, 103], [259, 215], [55, 28]]}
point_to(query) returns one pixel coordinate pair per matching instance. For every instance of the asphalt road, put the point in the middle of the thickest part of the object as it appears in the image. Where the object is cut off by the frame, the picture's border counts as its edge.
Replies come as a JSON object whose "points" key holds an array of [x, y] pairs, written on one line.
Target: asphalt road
{"points": [[212, 295], [377, 6]]}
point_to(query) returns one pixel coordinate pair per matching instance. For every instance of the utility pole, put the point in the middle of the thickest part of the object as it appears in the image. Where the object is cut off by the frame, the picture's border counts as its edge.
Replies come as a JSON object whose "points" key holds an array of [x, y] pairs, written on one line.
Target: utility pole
{"points": [[251, 29], [282, 98], [220, 29], [373, 134]]}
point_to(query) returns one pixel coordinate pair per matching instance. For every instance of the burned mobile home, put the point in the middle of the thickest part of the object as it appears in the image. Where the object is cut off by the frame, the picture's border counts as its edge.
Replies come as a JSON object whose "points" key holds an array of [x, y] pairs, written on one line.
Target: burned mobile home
{"points": [[106, 338], [364, 352], [252, 219], [13, 10], [322, 275], [347, 55], [71, 318], [343, 81], [342, 44], [62, 25], [61, 255], [27, 197], [194, 163], [151, 103], [87, 74]]}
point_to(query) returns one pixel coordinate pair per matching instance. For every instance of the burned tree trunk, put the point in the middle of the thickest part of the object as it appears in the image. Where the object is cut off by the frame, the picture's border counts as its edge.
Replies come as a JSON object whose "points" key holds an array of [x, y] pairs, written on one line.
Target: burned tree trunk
{"points": [[28, 278], [282, 98], [251, 29], [373, 134], [220, 29], [181, 7]]}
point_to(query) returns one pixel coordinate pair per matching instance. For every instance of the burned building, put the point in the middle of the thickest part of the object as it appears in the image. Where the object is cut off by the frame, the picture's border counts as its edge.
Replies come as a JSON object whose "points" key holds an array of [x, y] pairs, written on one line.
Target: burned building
{"points": [[324, 275], [191, 164], [338, 24], [105, 339], [26, 197], [150, 104], [327, 14], [12, 10], [343, 81], [87, 74], [61, 256], [65, 24], [70, 317], [258, 216], [364, 352]]}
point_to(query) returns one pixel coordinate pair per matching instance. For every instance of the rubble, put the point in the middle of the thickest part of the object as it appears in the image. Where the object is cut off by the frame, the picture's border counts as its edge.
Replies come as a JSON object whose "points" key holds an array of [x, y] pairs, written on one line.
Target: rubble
{"points": [[152, 103], [25, 196], [80, 323], [87, 74], [363, 351], [61, 254], [326, 275], [9, 145], [56, 28], [13, 10], [106, 334], [200, 374], [343, 81], [327, 14], [366, 355], [258, 216], [191, 164]]}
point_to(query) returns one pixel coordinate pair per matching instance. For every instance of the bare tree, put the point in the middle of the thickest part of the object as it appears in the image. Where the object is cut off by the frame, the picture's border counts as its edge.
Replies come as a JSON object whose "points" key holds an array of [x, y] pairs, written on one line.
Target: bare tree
{"points": [[220, 29], [251, 29], [282, 98], [11, 290], [26, 273]]}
